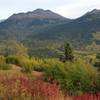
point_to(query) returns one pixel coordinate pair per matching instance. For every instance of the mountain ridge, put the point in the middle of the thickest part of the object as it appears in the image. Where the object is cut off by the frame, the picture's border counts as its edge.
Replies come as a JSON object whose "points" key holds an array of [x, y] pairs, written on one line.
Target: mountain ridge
{"points": [[39, 33]]}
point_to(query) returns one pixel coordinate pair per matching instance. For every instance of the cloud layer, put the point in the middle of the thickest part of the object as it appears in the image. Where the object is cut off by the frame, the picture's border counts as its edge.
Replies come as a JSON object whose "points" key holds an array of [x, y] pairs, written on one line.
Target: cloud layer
{"points": [[67, 8]]}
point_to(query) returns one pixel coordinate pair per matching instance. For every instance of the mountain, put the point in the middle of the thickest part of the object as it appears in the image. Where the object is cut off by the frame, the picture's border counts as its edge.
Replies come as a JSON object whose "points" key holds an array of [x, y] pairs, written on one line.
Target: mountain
{"points": [[22, 24], [79, 30], [44, 32], [36, 17], [39, 14], [2, 20]]}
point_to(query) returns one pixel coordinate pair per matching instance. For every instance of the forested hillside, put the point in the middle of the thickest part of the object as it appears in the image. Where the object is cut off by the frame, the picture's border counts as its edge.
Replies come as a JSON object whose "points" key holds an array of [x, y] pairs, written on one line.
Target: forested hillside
{"points": [[44, 32]]}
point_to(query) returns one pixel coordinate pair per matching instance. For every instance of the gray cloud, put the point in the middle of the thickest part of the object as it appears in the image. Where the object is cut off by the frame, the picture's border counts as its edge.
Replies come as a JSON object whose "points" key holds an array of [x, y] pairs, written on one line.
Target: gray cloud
{"points": [[68, 8]]}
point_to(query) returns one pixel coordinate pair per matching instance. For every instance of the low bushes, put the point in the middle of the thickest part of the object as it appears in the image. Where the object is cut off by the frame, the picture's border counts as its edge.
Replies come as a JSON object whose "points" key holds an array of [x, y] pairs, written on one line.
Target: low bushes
{"points": [[76, 78], [27, 68], [28, 65], [23, 62], [24, 88], [3, 64], [12, 60], [88, 97]]}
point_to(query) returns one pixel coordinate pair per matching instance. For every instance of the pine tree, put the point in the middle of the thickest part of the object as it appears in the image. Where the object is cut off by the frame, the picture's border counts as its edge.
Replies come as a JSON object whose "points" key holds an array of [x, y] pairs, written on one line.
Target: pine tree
{"points": [[68, 52]]}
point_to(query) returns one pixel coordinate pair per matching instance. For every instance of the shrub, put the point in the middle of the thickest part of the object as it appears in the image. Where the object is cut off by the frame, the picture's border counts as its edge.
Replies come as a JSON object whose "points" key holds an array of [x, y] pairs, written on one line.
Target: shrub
{"points": [[97, 62], [12, 60], [24, 62], [77, 77], [3, 65], [88, 97], [24, 88], [37, 64], [27, 68]]}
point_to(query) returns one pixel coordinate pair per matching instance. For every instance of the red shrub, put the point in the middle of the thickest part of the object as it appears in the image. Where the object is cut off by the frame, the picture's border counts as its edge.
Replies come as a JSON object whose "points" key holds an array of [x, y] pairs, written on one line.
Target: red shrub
{"points": [[18, 86], [88, 97], [47, 90]]}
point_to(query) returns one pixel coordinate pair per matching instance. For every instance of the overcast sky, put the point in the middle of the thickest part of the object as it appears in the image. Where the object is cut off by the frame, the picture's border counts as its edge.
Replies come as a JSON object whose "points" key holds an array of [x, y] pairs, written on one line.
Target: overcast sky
{"points": [[67, 8]]}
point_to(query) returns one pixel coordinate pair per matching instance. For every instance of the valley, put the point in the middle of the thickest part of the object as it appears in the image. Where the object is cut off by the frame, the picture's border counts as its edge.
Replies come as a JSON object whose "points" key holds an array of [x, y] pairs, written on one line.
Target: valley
{"points": [[45, 56]]}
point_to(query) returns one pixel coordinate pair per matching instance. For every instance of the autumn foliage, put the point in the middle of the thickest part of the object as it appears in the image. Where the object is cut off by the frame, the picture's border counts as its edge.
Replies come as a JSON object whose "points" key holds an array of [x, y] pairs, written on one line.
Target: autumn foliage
{"points": [[23, 87], [88, 97]]}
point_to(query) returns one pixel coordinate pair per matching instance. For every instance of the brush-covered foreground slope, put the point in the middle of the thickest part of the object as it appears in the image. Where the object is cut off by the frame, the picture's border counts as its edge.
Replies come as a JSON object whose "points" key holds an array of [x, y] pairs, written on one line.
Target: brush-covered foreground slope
{"points": [[44, 31]]}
